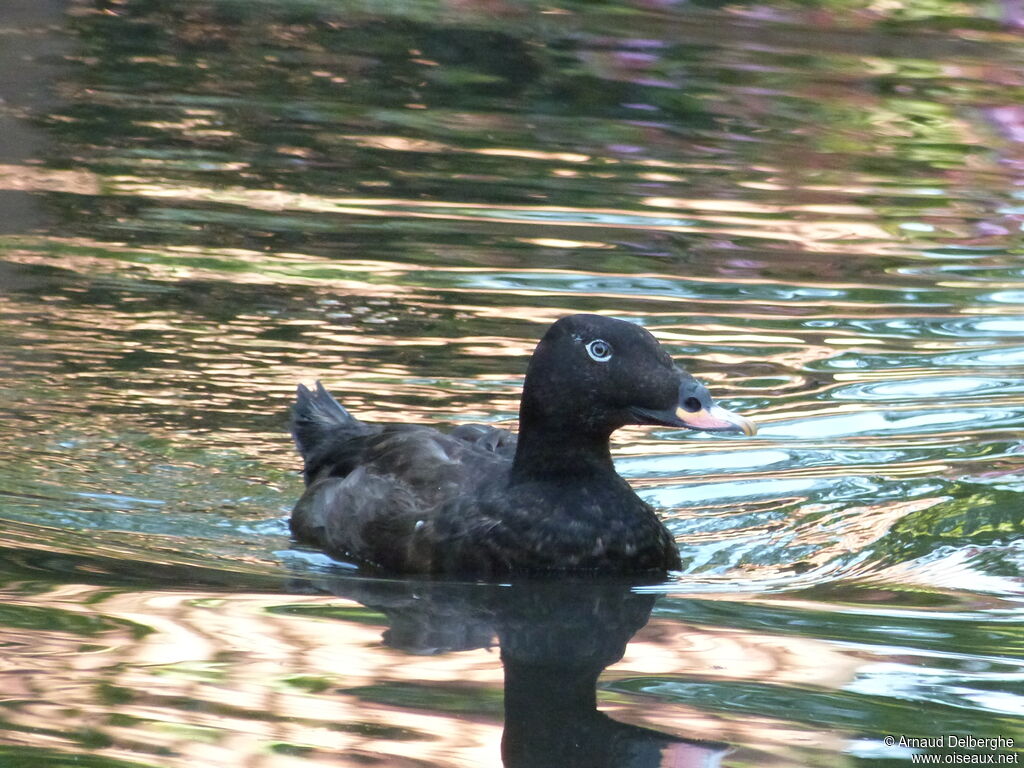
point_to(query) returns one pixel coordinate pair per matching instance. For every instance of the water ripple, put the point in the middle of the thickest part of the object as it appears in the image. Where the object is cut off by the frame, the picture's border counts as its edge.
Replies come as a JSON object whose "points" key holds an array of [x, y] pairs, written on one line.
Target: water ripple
{"points": [[996, 356], [912, 389]]}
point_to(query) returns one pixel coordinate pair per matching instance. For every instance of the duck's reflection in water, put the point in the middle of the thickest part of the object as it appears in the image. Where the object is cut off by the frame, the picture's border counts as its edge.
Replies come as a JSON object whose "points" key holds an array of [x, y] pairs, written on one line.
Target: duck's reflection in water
{"points": [[555, 639]]}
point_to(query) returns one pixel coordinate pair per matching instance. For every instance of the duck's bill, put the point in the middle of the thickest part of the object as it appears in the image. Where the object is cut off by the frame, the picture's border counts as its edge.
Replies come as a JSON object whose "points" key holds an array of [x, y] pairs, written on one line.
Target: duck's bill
{"points": [[716, 419]]}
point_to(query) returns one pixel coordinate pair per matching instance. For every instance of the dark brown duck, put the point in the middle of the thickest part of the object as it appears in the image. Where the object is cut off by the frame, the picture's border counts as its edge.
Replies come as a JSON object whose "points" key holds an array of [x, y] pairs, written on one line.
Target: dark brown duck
{"points": [[478, 500]]}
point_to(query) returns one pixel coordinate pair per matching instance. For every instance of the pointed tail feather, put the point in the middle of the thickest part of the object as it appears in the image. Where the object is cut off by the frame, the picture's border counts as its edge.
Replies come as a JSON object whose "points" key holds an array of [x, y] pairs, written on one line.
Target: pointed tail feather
{"points": [[317, 416]]}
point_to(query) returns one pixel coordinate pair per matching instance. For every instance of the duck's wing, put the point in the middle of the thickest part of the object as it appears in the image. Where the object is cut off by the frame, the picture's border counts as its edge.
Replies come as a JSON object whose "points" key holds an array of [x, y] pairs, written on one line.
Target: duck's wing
{"points": [[333, 442], [375, 512], [371, 487]]}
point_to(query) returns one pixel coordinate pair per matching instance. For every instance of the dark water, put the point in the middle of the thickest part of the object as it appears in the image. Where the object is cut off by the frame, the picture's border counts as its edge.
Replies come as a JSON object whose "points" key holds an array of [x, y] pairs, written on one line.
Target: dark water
{"points": [[817, 207]]}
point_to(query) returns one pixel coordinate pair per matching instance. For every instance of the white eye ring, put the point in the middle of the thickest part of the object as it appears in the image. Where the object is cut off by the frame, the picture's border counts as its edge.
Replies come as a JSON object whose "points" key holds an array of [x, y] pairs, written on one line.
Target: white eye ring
{"points": [[599, 350]]}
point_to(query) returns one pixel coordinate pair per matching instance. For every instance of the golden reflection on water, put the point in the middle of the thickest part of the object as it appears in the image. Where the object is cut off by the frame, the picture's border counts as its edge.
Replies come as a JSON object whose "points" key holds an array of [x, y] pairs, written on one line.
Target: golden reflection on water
{"points": [[210, 684], [185, 677], [32, 178], [810, 235], [402, 144]]}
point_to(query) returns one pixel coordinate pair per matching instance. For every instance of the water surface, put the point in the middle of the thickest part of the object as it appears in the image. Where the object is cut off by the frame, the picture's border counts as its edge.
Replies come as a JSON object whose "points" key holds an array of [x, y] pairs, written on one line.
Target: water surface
{"points": [[817, 208]]}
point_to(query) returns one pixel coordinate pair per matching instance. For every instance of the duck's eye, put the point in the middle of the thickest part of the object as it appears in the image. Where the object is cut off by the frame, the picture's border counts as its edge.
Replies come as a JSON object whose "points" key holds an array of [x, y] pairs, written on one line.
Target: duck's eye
{"points": [[691, 404], [599, 350]]}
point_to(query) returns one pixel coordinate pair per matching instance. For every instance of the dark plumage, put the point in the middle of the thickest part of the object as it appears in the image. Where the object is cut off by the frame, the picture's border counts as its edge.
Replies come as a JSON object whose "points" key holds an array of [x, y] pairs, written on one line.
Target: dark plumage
{"points": [[477, 500]]}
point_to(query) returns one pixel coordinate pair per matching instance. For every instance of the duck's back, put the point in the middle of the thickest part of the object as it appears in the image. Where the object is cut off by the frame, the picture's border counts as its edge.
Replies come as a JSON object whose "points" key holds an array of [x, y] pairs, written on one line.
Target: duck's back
{"points": [[371, 489]]}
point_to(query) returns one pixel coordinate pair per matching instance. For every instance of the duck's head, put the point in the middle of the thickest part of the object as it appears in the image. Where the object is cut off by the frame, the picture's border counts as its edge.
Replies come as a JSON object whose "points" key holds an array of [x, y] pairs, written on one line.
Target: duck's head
{"points": [[594, 374]]}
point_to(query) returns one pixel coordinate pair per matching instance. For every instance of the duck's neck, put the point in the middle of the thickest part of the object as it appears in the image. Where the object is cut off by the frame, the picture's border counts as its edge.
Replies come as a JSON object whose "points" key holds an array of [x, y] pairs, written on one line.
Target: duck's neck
{"points": [[550, 452]]}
